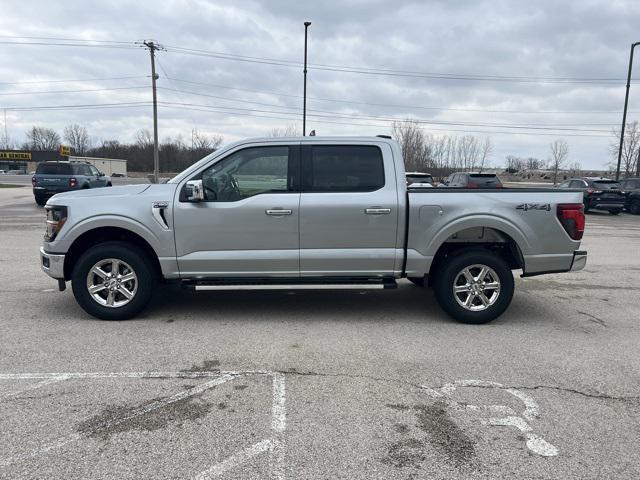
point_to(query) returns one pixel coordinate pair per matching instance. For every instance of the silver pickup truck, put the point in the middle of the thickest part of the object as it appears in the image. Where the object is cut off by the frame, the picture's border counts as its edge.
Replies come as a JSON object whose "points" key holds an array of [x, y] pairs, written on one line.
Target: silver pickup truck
{"points": [[307, 213]]}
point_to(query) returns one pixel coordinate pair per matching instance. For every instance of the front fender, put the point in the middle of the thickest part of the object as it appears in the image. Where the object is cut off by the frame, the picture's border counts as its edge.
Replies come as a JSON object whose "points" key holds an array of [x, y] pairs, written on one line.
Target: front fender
{"points": [[66, 238]]}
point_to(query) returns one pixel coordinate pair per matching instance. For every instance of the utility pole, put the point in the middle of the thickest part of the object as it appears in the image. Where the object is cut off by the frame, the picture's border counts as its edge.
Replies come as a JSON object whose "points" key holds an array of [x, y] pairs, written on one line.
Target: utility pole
{"points": [[624, 113], [153, 46], [6, 136], [304, 96]]}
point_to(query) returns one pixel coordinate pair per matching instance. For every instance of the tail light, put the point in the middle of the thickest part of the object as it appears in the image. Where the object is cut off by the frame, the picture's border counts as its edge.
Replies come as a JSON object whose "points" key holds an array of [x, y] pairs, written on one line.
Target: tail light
{"points": [[34, 181], [593, 190], [571, 216], [73, 182], [472, 185]]}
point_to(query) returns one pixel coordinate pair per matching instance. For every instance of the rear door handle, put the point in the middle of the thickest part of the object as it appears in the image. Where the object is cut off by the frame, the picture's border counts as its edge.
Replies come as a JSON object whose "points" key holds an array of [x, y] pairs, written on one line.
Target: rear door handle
{"points": [[277, 212], [377, 211]]}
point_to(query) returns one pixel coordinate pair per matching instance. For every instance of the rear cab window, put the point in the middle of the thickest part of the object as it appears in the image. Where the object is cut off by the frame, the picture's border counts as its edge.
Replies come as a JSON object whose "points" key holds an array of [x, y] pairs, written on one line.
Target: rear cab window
{"points": [[343, 168], [53, 169]]}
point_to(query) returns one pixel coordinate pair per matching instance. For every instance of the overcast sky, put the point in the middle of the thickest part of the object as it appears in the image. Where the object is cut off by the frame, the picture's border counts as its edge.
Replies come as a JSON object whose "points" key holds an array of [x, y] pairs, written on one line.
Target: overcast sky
{"points": [[522, 72]]}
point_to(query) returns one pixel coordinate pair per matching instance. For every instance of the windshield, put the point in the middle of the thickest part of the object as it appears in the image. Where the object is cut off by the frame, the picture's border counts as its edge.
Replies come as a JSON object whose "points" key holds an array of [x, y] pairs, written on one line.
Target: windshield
{"points": [[54, 169]]}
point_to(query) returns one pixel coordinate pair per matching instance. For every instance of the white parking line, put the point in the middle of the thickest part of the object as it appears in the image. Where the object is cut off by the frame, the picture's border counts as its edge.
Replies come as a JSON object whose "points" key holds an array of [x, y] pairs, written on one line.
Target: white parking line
{"points": [[42, 383], [235, 460], [62, 441], [274, 445]]}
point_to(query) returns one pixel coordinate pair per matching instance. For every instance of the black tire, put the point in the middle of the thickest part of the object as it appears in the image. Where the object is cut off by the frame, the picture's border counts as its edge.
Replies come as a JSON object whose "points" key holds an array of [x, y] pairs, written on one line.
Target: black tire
{"points": [[109, 185], [634, 208], [615, 211], [41, 200], [133, 257], [417, 281], [450, 269]]}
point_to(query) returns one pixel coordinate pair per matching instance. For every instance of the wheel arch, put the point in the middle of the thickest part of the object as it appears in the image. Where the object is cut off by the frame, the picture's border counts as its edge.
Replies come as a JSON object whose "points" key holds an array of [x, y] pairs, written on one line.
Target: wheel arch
{"points": [[492, 239], [100, 235]]}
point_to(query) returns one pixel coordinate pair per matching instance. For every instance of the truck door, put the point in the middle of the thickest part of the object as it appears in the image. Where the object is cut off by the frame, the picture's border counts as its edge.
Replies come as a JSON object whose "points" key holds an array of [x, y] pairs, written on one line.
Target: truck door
{"points": [[348, 210], [248, 224]]}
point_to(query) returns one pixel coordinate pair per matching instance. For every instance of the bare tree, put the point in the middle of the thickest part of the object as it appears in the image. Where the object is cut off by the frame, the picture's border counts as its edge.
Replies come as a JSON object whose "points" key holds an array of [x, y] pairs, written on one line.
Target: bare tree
{"points": [[485, 152], [290, 130], [413, 143], [559, 154], [42, 138], [144, 139], [630, 149], [78, 138], [575, 169], [202, 141]]}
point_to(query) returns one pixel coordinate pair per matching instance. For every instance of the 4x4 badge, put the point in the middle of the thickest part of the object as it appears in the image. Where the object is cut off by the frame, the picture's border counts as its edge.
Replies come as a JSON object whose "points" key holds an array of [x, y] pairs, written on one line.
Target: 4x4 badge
{"points": [[534, 206]]}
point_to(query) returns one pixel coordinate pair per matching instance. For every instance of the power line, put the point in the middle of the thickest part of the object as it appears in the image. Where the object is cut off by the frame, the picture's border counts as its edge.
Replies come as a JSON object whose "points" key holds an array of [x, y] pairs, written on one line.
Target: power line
{"points": [[78, 80], [396, 73], [391, 105], [212, 109], [73, 91], [65, 39], [63, 44], [356, 116], [278, 115]]}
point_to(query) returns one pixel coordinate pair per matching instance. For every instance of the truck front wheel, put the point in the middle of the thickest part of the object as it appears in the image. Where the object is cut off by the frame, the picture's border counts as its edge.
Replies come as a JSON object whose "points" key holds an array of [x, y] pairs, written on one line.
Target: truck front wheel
{"points": [[474, 286], [113, 281]]}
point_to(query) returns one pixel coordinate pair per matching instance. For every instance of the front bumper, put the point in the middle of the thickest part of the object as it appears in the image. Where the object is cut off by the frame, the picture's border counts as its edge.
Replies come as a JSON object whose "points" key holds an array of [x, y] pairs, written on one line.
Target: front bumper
{"points": [[579, 260], [52, 264]]}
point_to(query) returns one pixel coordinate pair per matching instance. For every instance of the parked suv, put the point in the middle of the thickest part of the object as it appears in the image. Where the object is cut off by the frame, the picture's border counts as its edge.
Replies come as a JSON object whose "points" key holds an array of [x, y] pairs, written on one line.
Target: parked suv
{"points": [[599, 193], [57, 177], [473, 180], [631, 187], [419, 178]]}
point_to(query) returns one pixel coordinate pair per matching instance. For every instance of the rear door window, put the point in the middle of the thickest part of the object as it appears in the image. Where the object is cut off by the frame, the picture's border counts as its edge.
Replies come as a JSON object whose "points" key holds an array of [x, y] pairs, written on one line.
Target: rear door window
{"points": [[577, 184], [343, 168], [53, 169]]}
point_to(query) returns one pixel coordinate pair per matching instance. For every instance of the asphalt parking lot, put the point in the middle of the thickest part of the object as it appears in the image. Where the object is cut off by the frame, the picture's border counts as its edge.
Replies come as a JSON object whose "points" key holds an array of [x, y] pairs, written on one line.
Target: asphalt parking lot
{"points": [[322, 384]]}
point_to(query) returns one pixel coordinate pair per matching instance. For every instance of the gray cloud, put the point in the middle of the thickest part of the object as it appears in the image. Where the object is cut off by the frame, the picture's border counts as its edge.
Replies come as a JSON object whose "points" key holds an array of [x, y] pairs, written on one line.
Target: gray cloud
{"points": [[545, 38]]}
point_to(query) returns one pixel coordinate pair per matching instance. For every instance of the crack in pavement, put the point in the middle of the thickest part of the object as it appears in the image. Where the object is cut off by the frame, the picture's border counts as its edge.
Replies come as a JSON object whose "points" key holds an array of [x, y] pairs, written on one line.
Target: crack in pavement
{"points": [[597, 395]]}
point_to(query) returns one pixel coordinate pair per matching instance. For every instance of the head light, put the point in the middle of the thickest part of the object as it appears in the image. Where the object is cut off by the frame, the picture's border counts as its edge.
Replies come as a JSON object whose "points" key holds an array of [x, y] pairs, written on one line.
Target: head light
{"points": [[56, 216]]}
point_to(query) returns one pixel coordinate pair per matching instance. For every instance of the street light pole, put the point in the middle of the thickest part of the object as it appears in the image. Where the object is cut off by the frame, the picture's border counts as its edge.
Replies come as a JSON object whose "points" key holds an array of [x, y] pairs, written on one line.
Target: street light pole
{"points": [[304, 96], [624, 113]]}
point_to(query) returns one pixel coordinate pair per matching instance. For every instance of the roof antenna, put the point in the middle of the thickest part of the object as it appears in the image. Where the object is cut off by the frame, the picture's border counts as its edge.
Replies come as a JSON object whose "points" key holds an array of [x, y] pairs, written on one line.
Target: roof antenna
{"points": [[312, 133]]}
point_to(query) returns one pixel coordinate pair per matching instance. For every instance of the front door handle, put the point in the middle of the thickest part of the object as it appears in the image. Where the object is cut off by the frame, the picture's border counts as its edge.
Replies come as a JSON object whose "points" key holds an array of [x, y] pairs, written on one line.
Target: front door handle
{"points": [[278, 211], [377, 211]]}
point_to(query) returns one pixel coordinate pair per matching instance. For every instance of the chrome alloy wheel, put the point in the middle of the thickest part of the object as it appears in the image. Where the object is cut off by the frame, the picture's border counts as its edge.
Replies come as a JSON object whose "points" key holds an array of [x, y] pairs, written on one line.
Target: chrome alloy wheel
{"points": [[476, 287], [112, 282]]}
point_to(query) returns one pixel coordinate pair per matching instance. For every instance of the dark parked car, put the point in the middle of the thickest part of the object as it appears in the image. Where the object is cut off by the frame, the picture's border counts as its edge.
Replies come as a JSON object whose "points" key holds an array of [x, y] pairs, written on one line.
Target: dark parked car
{"points": [[631, 187], [419, 177], [473, 180], [599, 193], [57, 177]]}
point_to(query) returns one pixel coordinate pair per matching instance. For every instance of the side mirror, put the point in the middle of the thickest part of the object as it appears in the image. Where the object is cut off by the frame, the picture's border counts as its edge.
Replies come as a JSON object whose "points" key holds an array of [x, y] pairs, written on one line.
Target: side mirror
{"points": [[195, 191], [101, 174]]}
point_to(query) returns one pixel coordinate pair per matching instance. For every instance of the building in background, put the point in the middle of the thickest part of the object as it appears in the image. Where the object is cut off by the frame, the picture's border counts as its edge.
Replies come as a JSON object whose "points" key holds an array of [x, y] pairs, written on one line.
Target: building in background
{"points": [[108, 166], [25, 161]]}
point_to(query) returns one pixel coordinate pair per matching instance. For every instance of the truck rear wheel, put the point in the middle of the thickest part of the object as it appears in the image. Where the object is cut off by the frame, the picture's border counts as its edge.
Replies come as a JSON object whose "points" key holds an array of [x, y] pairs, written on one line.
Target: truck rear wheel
{"points": [[113, 281], [474, 286]]}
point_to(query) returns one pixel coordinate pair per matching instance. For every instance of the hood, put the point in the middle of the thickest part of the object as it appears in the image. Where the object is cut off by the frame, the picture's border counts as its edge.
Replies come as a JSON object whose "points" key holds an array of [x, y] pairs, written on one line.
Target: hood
{"points": [[121, 191]]}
